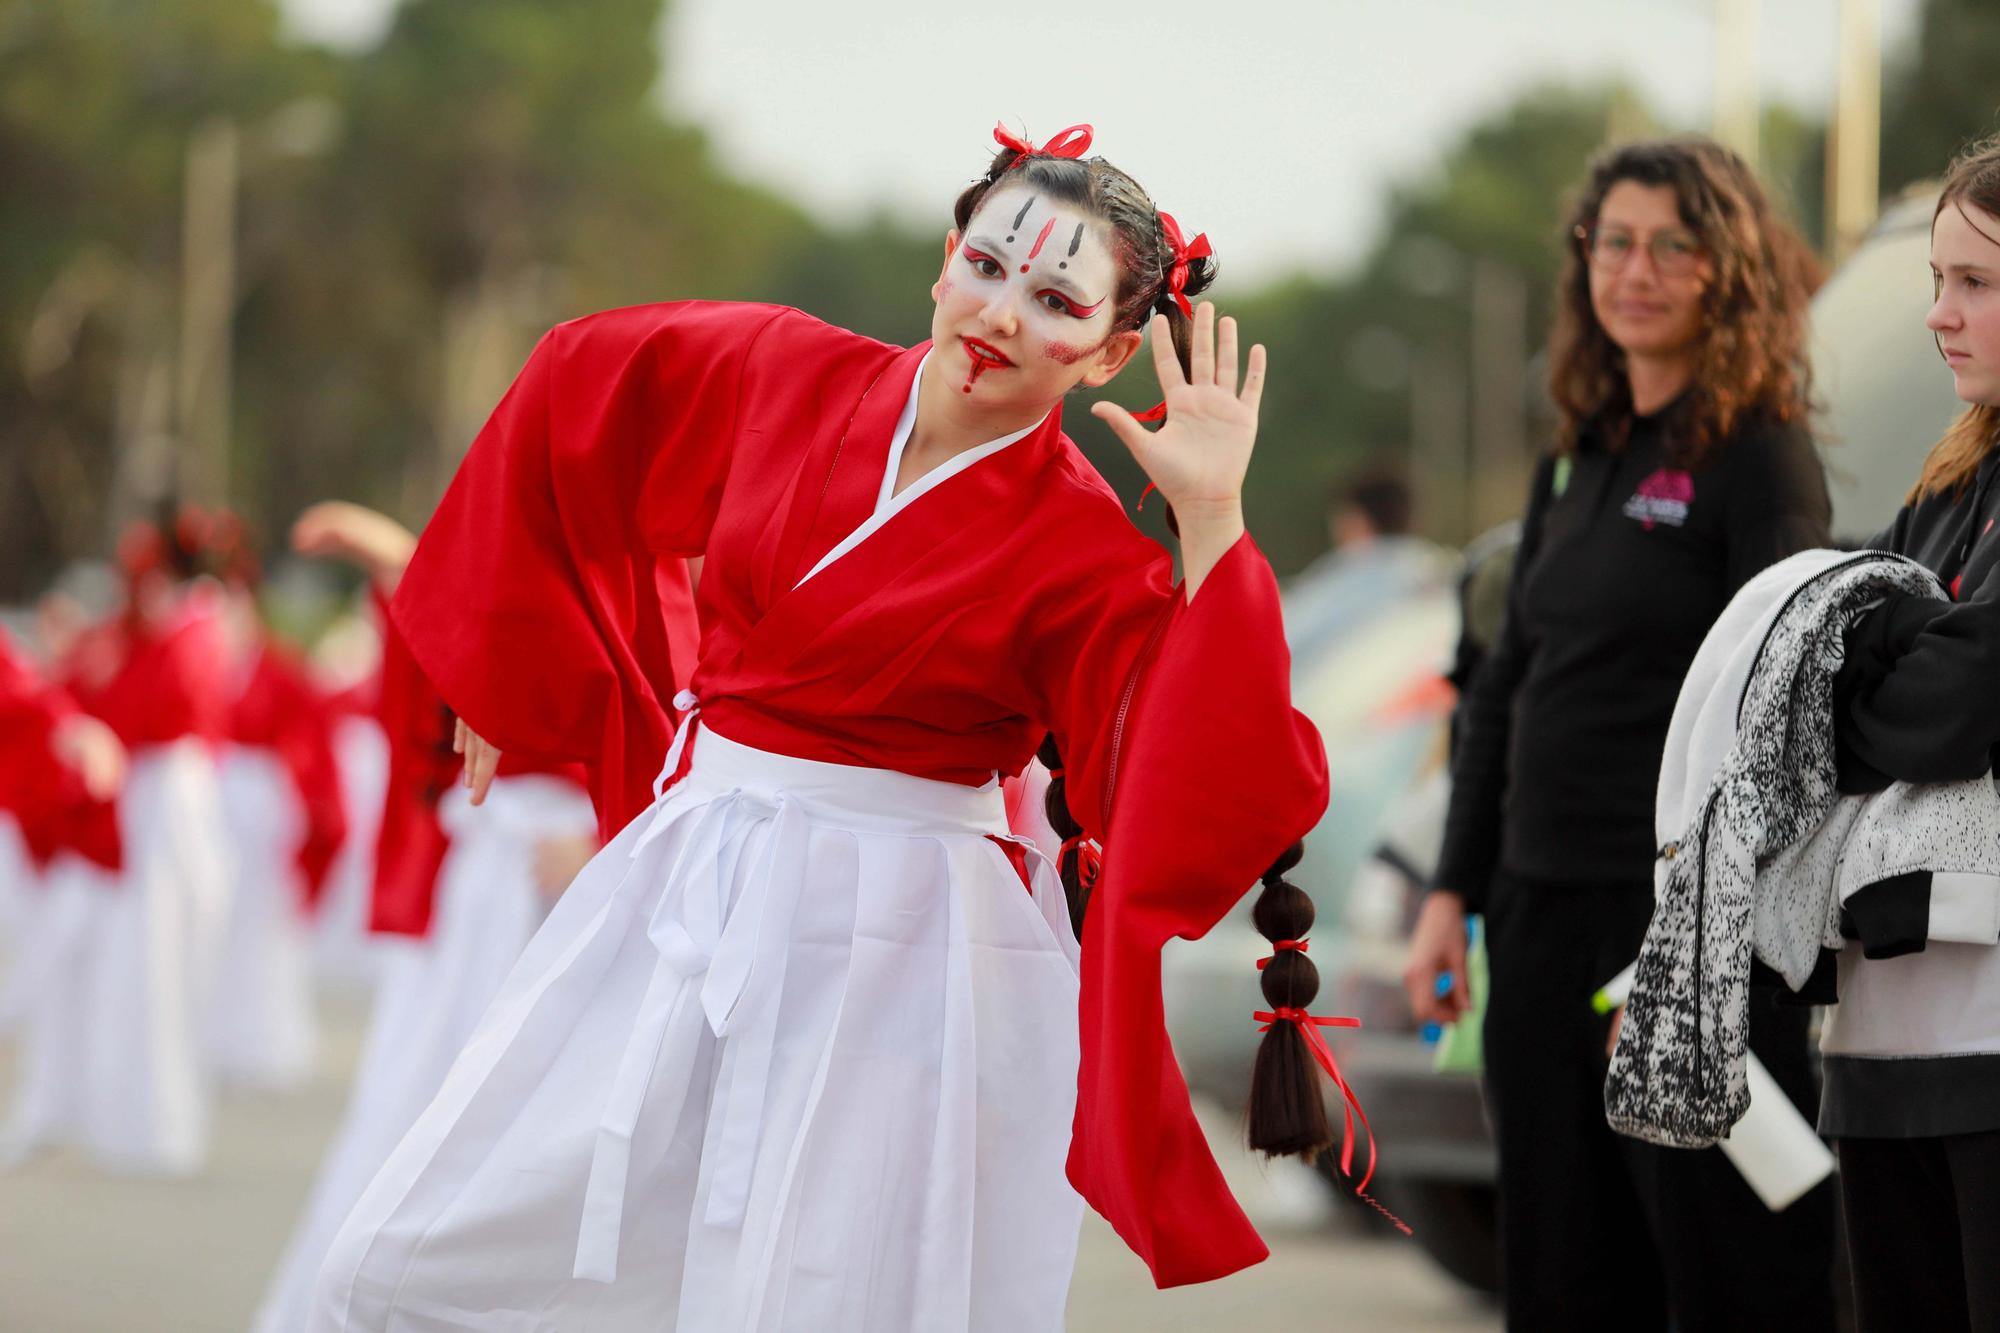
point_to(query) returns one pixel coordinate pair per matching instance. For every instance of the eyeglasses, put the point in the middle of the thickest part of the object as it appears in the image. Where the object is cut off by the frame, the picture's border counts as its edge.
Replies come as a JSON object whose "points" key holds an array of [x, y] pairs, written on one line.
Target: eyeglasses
{"points": [[1674, 252]]}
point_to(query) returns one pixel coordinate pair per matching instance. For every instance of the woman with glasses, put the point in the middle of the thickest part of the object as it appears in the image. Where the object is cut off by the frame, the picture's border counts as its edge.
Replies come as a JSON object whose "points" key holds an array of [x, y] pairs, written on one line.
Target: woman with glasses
{"points": [[1682, 466]]}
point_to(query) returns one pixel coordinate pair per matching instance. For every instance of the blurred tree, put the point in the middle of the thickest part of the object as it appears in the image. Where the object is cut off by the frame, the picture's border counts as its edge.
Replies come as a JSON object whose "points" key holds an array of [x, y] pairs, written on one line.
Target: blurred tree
{"points": [[1941, 94]]}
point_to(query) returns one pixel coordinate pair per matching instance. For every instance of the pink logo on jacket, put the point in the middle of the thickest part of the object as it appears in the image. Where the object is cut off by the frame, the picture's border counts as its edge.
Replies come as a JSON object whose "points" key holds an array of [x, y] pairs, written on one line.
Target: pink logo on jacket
{"points": [[1663, 497]]}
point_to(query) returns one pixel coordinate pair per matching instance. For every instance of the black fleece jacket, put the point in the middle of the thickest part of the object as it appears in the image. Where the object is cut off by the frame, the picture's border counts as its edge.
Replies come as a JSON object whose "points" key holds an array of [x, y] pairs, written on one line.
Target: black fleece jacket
{"points": [[1918, 697], [1618, 579]]}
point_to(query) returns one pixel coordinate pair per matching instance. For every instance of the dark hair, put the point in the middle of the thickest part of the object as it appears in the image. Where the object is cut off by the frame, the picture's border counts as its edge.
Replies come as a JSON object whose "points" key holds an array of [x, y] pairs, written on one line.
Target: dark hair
{"points": [[1076, 882], [1750, 360], [1139, 240], [1382, 493], [1973, 178]]}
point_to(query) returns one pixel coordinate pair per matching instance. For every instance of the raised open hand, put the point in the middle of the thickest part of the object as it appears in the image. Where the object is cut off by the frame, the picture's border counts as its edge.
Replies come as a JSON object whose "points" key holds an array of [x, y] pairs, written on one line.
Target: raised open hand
{"points": [[1199, 457], [337, 530]]}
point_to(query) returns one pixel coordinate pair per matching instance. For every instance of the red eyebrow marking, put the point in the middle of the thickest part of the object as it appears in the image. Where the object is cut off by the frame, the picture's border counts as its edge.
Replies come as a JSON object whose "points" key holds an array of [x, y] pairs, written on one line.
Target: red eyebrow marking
{"points": [[1047, 227]]}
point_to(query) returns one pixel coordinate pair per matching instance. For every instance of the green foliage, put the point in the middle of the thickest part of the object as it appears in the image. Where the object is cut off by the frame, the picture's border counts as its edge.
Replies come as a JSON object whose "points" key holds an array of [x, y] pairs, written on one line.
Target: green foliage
{"points": [[498, 165], [1944, 93]]}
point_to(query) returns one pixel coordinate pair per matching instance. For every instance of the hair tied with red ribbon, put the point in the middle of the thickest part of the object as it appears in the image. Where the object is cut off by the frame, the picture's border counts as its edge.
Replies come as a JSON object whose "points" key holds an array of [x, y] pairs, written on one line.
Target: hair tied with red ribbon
{"points": [[1309, 1025], [1281, 946], [1073, 142], [1185, 252], [1089, 858]]}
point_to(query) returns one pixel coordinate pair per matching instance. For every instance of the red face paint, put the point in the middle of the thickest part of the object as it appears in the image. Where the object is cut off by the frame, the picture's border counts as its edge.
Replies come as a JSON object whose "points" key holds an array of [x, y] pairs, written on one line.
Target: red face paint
{"points": [[1067, 354], [983, 358], [1040, 241]]}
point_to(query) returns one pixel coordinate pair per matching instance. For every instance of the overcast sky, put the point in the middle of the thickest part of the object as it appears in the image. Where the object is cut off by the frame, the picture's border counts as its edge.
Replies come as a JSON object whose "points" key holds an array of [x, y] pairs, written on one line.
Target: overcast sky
{"points": [[1274, 125]]}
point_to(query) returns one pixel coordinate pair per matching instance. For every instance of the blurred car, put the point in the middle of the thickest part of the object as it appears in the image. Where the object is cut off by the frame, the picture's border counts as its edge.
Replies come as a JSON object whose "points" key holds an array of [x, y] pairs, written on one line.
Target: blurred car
{"points": [[1883, 400]]}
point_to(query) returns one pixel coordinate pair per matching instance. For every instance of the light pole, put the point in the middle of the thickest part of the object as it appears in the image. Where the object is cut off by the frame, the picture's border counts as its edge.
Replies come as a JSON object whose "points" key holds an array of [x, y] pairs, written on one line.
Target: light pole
{"points": [[1854, 141], [1735, 117]]}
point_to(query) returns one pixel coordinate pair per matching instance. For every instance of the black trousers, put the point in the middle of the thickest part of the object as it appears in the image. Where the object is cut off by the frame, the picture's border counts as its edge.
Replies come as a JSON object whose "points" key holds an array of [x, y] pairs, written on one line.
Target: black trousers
{"points": [[1923, 1231], [1599, 1231]]}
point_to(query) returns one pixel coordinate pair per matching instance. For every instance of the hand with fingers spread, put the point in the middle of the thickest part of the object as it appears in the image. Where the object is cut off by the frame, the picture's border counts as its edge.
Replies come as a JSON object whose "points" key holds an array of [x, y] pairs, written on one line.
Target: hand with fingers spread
{"points": [[1198, 459], [482, 759]]}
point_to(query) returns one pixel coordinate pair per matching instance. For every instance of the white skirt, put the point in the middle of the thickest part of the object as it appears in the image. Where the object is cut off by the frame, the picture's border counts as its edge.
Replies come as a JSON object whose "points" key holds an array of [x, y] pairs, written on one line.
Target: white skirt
{"points": [[797, 1051], [344, 953], [114, 977], [47, 1004], [262, 1033], [430, 997]]}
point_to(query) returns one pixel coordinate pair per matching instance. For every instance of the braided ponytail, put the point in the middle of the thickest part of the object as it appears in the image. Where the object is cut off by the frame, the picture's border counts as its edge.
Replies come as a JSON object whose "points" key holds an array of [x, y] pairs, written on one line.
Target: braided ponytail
{"points": [[1071, 863], [1287, 1112]]}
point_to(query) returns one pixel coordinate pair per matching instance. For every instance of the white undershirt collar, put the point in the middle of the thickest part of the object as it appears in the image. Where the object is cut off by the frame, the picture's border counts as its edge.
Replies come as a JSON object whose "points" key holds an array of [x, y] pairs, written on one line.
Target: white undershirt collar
{"points": [[888, 505]]}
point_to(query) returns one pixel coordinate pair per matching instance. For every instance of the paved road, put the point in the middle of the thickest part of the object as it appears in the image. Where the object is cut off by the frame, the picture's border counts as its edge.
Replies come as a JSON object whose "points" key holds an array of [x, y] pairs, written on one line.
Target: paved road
{"points": [[84, 1253]]}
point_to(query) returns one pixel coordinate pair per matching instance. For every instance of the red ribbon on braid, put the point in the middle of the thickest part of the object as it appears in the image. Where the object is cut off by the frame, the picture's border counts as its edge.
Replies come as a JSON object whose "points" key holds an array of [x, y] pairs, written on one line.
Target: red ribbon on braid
{"points": [[1073, 142], [1089, 858], [1309, 1027], [1278, 947], [1185, 252]]}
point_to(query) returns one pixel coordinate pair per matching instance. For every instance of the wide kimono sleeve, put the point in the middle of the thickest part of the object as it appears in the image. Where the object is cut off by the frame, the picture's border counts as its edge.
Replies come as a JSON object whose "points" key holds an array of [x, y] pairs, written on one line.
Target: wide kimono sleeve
{"points": [[1176, 716], [46, 797], [548, 600]]}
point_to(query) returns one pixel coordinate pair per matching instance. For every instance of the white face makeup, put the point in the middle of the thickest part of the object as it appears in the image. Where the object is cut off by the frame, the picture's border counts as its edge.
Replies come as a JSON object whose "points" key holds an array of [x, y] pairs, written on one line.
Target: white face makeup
{"points": [[1965, 316], [1025, 302]]}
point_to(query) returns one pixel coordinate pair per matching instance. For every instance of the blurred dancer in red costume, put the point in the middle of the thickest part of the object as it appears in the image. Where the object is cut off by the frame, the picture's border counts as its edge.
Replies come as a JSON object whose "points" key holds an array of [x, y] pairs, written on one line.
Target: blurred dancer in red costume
{"points": [[60, 773], [149, 674], [286, 817], [800, 1049], [458, 891]]}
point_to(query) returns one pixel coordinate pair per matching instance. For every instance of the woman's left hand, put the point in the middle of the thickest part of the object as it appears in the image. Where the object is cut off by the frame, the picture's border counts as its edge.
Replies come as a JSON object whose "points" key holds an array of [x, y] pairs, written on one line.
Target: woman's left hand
{"points": [[1199, 457]]}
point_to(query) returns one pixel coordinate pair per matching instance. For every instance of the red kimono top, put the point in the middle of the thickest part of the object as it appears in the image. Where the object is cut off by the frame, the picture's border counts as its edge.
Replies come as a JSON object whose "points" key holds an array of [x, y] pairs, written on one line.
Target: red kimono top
{"points": [[411, 843], [44, 795], [1011, 599], [282, 711], [155, 685]]}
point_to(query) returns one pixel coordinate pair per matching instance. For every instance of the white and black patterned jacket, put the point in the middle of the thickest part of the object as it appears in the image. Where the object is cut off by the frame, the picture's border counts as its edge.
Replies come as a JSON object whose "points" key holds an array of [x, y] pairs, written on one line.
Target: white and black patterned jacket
{"points": [[1760, 851]]}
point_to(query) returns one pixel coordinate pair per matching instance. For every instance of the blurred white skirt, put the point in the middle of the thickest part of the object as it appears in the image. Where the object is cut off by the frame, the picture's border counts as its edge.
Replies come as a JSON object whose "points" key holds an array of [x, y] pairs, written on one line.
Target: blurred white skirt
{"points": [[797, 1051], [262, 1033], [114, 975], [430, 996]]}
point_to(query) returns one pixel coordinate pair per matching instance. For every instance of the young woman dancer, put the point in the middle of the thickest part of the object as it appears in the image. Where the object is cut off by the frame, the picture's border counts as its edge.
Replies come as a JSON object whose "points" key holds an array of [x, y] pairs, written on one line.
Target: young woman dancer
{"points": [[1912, 1050], [1682, 468], [800, 1048]]}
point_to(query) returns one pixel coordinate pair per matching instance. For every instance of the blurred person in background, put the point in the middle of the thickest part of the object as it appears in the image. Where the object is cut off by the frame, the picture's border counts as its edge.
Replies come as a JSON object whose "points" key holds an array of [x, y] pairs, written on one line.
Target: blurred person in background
{"points": [[150, 673], [458, 891], [60, 774], [1682, 467], [1375, 561], [287, 818], [1911, 1051], [800, 1048]]}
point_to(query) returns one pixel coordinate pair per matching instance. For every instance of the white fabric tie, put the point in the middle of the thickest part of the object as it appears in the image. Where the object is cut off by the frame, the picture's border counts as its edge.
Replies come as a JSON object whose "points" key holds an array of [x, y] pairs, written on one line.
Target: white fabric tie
{"points": [[702, 936], [690, 708]]}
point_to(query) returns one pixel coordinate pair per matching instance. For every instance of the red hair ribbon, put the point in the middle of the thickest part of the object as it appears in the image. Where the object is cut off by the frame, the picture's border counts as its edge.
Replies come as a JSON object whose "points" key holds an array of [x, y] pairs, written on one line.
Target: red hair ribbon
{"points": [[1073, 142], [1278, 947], [1185, 252], [1309, 1026], [1089, 857]]}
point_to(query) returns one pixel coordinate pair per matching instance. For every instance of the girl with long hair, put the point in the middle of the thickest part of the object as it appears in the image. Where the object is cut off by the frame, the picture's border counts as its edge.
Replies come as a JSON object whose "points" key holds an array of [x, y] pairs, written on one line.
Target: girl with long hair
{"points": [[810, 1044], [1912, 1050], [1681, 467]]}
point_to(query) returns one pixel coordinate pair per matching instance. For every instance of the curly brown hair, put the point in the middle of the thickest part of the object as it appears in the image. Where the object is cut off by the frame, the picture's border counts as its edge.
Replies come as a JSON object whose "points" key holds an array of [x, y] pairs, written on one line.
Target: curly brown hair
{"points": [[1751, 360]]}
